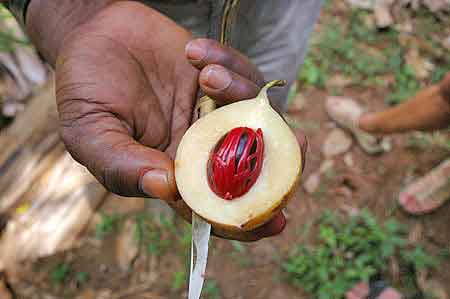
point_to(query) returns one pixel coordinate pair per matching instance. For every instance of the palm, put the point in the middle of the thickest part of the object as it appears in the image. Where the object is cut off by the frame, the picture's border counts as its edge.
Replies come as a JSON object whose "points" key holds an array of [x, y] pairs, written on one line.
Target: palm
{"points": [[122, 74]]}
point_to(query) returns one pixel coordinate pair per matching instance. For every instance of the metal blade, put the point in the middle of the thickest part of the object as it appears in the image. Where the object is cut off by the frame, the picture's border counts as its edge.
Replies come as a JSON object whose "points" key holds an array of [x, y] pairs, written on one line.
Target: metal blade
{"points": [[222, 14], [201, 231]]}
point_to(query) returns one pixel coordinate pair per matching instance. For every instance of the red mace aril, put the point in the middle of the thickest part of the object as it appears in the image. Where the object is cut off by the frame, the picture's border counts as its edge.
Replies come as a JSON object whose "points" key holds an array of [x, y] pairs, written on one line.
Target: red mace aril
{"points": [[236, 162]]}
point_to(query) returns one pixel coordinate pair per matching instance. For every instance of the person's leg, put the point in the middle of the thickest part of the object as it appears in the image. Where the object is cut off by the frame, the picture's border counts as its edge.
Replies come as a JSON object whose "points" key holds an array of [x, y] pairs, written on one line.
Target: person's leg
{"points": [[272, 33], [275, 34], [191, 14], [428, 110]]}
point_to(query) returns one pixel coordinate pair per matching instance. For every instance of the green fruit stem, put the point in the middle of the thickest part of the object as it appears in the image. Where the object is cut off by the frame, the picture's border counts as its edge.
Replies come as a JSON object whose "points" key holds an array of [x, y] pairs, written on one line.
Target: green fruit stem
{"points": [[263, 93]]}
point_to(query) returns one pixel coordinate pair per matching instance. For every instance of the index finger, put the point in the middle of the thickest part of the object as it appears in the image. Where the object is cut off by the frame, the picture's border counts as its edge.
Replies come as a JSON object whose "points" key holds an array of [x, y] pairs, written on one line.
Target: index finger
{"points": [[203, 52], [274, 227]]}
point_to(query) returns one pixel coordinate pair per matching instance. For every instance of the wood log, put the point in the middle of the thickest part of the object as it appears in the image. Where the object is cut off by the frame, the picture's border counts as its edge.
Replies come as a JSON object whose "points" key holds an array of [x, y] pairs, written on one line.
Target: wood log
{"points": [[47, 197]]}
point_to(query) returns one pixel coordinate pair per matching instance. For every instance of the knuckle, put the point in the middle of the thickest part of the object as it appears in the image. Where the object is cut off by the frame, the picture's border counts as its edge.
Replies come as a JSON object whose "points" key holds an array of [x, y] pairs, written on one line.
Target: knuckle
{"points": [[445, 88], [109, 178], [227, 59], [114, 180]]}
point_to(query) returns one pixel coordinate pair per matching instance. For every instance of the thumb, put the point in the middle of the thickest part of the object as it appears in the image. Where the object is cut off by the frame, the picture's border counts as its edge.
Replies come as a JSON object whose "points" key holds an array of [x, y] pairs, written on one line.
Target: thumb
{"points": [[120, 163], [159, 182]]}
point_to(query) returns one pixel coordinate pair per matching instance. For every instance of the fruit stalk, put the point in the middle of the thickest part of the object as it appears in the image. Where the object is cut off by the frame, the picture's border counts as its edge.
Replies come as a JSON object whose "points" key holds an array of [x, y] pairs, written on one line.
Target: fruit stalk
{"points": [[205, 105]]}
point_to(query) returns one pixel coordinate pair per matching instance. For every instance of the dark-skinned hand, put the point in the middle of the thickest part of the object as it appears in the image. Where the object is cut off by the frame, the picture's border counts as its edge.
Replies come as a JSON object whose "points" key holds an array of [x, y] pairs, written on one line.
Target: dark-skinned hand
{"points": [[126, 84]]}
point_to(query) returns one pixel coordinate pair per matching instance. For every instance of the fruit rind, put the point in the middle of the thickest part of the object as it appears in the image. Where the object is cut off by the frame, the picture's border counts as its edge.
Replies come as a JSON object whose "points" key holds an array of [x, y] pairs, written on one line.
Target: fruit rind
{"points": [[200, 139]]}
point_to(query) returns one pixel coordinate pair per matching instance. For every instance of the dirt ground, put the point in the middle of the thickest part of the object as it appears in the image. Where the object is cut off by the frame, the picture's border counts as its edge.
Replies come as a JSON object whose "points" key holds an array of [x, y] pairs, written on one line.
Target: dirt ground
{"points": [[252, 270], [239, 270]]}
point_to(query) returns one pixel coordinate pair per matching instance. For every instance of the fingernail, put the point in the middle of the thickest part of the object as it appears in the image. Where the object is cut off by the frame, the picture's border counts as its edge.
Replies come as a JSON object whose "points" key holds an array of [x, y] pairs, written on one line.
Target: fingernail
{"points": [[216, 78], [194, 51], [155, 183]]}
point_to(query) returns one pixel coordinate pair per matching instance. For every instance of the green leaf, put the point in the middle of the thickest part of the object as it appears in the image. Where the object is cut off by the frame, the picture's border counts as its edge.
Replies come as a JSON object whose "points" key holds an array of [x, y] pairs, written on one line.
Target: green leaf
{"points": [[179, 280]]}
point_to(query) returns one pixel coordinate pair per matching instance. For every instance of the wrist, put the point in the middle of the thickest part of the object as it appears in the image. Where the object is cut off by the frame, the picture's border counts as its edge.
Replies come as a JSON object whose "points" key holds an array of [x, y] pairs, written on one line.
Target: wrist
{"points": [[49, 22]]}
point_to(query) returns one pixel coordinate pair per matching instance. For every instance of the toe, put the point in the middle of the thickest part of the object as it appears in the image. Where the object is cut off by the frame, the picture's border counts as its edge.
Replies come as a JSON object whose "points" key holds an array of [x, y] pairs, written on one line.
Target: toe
{"points": [[390, 293]]}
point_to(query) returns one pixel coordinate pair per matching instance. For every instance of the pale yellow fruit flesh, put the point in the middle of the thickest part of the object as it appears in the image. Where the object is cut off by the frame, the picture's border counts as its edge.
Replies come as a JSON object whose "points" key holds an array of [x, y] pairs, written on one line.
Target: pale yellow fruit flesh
{"points": [[281, 168]]}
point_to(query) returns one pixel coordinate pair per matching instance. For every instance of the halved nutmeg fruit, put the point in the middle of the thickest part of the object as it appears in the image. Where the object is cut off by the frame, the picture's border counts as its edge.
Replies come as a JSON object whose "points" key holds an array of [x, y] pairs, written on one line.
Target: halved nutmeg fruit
{"points": [[239, 165]]}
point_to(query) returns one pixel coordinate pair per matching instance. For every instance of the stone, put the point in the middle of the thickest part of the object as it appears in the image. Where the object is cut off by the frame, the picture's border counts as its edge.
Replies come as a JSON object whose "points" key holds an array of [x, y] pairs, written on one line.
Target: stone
{"points": [[383, 16], [102, 268], [406, 27], [348, 160], [337, 142], [312, 183]]}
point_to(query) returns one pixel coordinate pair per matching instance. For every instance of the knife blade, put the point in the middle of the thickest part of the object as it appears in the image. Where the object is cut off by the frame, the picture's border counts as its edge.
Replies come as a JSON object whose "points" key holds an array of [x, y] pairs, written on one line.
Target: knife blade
{"points": [[201, 231], [221, 20]]}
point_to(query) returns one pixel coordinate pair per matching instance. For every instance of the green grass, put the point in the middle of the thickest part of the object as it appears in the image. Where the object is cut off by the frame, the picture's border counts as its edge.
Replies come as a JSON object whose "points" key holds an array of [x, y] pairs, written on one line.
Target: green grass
{"points": [[347, 252], [155, 238], [337, 50], [440, 71], [240, 254], [179, 280], [406, 85], [108, 225], [60, 273], [348, 46], [211, 290], [82, 278]]}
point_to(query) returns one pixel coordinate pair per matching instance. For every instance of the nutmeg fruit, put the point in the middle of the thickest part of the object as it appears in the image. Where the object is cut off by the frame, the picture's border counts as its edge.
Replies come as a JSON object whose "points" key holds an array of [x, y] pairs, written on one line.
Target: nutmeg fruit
{"points": [[239, 165]]}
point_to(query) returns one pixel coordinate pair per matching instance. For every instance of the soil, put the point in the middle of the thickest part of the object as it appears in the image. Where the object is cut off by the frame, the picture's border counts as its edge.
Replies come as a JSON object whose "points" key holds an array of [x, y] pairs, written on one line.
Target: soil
{"points": [[253, 270]]}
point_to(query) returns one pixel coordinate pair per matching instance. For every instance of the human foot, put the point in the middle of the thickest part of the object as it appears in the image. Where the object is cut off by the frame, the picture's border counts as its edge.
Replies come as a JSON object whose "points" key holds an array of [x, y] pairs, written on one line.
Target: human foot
{"points": [[376, 290], [346, 113], [429, 192]]}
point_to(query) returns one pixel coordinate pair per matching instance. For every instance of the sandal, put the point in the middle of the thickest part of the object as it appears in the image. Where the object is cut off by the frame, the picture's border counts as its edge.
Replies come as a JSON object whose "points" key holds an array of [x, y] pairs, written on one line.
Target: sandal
{"points": [[429, 192]]}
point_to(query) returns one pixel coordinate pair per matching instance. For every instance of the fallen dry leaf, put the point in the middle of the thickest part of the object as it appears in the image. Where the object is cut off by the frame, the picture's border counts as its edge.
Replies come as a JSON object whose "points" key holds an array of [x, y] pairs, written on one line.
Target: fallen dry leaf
{"points": [[127, 247], [431, 286], [416, 233], [422, 67]]}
